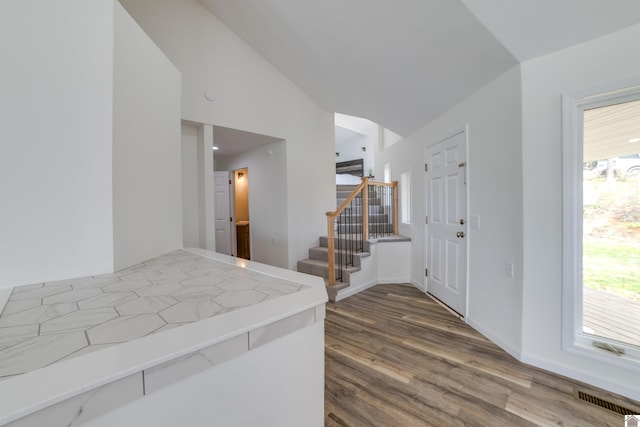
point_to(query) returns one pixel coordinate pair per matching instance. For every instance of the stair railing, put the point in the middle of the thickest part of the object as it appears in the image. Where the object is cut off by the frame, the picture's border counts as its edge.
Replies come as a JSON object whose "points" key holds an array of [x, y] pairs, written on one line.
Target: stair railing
{"points": [[346, 236]]}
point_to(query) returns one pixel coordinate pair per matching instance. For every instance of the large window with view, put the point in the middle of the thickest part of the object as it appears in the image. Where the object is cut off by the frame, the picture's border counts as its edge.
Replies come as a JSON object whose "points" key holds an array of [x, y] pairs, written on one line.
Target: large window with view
{"points": [[601, 161]]}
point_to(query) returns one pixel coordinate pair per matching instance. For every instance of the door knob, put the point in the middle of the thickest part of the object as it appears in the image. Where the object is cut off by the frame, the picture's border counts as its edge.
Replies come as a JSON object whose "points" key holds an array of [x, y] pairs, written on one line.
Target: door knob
{"points": [[460, 234]]}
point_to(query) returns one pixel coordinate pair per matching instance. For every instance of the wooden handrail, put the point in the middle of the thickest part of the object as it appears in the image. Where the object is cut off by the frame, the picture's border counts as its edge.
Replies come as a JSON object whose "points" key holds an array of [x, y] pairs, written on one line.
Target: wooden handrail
{"points": [[352, 196], [358, 189], [331, 218], [331, 260], [365, 209]]}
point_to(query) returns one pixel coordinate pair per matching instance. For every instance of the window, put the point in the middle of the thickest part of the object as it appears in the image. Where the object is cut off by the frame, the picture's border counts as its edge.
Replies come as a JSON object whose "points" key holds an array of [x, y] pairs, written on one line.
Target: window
{"points": [[601, 231], [405, 197]]}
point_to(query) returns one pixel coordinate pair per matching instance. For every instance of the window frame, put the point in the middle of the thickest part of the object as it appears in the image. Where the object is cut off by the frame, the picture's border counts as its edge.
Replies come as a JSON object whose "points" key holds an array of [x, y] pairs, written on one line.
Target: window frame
{"points": [[574, 340], [405, 197], [386, 173]]}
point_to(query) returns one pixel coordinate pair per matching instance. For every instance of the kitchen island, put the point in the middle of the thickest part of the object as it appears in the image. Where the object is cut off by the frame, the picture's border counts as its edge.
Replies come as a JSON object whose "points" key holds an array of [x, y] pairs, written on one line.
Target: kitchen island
{"points": [[169, 340]]}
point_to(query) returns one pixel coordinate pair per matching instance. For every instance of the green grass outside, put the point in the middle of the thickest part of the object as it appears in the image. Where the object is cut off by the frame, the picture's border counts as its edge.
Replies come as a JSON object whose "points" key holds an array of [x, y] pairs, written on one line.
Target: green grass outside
{"points": [[614, 267]]}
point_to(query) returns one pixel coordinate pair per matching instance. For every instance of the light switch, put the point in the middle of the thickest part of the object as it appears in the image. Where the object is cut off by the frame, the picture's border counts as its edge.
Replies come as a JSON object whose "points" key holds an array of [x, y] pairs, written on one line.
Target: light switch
{"points": [[508, 269]]}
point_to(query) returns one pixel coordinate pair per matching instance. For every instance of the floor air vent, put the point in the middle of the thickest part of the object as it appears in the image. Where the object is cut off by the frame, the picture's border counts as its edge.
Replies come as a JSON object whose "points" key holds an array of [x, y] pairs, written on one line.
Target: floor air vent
{"points": [[603, 403]]}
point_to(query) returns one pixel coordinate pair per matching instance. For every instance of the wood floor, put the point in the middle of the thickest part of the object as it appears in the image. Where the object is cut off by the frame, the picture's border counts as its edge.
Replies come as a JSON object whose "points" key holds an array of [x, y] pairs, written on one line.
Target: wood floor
{"points": [[394, 357]]}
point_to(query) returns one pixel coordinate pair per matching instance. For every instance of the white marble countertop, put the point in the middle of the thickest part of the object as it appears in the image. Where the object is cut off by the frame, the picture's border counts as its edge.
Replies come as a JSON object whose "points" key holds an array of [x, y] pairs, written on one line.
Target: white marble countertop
{"points": [[41, 387]]}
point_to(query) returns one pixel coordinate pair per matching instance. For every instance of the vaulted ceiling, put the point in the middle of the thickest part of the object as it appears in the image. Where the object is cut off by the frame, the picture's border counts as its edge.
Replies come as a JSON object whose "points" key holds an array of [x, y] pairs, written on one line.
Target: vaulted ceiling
{"points": [[402, 63]]}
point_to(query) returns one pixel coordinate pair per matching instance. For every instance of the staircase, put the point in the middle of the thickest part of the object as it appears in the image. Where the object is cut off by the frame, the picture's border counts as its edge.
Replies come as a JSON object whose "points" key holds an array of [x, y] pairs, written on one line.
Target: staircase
{"points": [[317, 263]]}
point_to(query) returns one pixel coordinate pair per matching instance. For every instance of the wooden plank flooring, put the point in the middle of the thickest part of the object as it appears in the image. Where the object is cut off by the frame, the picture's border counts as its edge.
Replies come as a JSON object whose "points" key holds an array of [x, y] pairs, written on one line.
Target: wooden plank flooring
{"points": [[394, 357]]}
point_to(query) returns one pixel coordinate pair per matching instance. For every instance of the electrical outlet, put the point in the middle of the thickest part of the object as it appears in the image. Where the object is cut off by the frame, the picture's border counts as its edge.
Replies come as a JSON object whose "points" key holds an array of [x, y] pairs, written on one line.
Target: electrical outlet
{"points": [[508, 269]]}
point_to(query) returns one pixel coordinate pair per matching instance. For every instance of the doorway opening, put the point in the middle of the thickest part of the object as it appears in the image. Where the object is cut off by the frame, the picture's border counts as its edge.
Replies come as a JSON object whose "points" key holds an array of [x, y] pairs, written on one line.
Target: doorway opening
{"points": [[241, 208]]}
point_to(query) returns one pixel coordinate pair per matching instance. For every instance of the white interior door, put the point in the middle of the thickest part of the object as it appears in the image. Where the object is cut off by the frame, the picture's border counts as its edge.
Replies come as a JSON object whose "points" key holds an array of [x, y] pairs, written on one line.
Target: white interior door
{"points": [[446, 229], [222, 212]]}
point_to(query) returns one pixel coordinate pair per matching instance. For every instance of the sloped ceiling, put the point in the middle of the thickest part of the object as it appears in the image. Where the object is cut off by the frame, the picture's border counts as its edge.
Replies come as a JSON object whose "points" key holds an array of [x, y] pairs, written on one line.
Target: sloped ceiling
{"points": [[399, 63], [233, 141], [402, 63], [531, 28]]}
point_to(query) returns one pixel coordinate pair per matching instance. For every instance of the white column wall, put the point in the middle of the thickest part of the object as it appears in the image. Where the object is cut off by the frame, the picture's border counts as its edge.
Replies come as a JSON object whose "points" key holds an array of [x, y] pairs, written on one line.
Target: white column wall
{"points": [[147, 201], [250, 95], [197, 186], [609, 59], [55, 139], [205, 188], [190, 210]]}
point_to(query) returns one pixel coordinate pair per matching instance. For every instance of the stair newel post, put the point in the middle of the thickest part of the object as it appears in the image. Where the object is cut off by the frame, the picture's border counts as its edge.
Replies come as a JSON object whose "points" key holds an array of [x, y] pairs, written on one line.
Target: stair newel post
{"points": [[331, 249], [395, 207], [365, 208]]}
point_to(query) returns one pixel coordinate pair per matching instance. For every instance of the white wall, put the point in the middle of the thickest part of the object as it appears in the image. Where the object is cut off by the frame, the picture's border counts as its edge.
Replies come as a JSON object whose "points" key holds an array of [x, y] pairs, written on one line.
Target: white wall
{"points": [[197, 186], [507, 158], [190, 212], [267, 206], [55, 139], [515, 187], [351, 149], [389, 138], [206, 215], [366, 134], [278, 384], [251, 95], [394, 262], [147, 214], [388, 262], [494, 185], [605, 60]]}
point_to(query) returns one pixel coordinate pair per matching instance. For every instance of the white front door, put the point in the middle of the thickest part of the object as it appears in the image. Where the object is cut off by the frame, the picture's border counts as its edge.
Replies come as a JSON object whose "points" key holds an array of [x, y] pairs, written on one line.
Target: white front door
{"points": [[222, 212], [446, 229]]}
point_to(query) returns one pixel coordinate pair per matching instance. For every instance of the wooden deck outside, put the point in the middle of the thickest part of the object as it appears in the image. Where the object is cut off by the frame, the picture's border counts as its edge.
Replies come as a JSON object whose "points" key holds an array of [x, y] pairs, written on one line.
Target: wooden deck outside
{"points": [[611, 316]]}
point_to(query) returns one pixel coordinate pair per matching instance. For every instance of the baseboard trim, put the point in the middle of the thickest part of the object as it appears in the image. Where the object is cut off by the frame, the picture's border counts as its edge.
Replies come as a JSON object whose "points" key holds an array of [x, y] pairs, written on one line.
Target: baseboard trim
{"points": [[555, 367], [354, 289], [417, 285], [393, 280], [516, 353], [631, 393]]}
